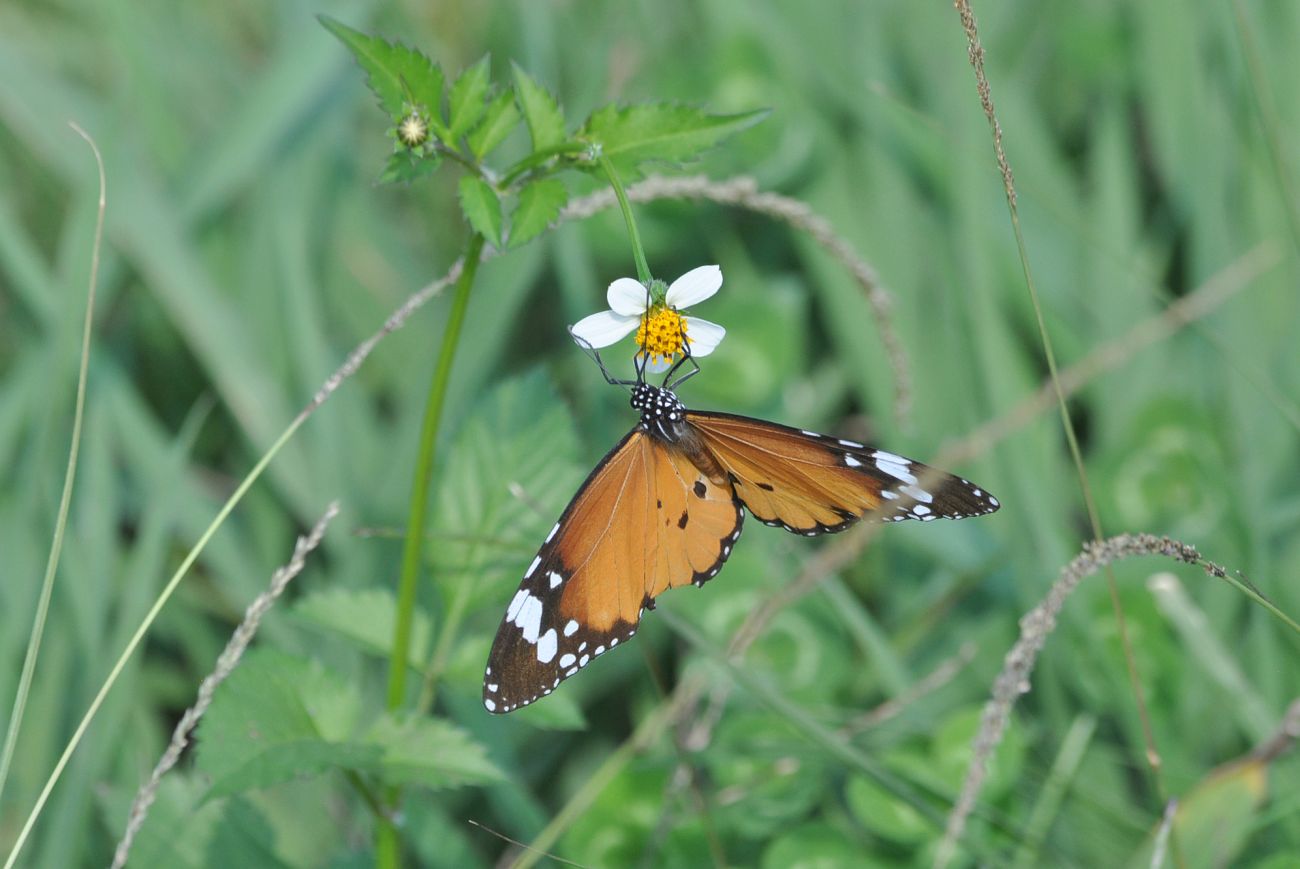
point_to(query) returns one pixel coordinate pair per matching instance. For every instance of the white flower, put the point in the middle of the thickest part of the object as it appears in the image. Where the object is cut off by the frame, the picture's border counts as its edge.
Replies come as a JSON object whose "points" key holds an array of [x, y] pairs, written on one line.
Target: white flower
{"points": [[662, 332]]}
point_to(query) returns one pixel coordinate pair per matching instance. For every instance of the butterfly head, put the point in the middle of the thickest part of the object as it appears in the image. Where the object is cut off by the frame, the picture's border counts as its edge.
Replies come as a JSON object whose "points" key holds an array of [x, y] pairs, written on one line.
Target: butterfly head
{"points": [[661, 410]]}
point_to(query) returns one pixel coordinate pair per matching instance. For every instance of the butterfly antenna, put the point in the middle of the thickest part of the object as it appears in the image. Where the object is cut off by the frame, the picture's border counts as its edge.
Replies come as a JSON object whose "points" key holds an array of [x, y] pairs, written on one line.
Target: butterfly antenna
{"points": [[595, 355]]}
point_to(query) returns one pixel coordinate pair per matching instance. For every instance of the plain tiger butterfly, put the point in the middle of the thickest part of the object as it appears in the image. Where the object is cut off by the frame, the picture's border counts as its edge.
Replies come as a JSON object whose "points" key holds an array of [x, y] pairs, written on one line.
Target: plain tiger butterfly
{"points": [[665, 507]]}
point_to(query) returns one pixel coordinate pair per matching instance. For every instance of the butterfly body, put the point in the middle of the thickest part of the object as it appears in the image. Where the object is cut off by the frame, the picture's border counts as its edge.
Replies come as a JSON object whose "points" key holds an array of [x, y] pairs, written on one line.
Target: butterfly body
{"points": [[665, 507]]}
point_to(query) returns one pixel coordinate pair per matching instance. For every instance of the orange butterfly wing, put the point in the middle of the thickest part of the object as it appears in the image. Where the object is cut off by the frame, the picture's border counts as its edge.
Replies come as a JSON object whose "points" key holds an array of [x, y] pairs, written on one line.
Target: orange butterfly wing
{"points": [[815, 484], [645, 520]]}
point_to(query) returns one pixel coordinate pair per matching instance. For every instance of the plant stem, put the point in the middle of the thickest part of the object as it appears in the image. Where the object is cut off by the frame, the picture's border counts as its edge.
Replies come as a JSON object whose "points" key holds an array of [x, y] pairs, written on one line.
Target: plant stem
{"points": [[539, 157], [642, 267], [386, 843]]}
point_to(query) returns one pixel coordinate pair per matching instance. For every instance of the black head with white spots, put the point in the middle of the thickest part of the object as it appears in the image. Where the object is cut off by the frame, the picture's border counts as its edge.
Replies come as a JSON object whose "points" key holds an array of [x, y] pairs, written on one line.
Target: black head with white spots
{"points": [[662, 412]]}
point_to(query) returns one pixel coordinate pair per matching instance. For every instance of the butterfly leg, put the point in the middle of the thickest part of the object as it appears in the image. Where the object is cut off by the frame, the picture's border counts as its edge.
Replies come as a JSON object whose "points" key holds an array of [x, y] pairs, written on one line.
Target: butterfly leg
{"points": [[595, 355], [695, 369]]}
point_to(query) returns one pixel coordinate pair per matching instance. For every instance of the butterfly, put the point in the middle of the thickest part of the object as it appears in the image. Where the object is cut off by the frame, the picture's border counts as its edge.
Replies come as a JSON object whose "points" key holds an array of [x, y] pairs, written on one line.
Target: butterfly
{"points": [[664, 508]]}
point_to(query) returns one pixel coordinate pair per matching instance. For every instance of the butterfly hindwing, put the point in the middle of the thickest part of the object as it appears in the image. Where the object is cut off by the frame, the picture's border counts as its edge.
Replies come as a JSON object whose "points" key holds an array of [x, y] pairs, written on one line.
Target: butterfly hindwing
{"points": [[813, 484], [645, 520]]}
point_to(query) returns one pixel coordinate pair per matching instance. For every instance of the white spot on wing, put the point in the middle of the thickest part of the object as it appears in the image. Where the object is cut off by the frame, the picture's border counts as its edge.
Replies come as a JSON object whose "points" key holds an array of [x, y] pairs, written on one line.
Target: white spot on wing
{"points": [[892, 496], [555, 578], [529, 619], [491, 705], [854, 444], [811, 434], [917, 493], [547, 645], [851, 462], [895, 466], [571, 628], [920, 510], [493, 687], [533, 566], [513, 609], [553, 530]]}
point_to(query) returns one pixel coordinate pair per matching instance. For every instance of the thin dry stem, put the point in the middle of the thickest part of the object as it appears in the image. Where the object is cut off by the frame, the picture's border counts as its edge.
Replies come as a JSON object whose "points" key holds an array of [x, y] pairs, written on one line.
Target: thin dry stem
{"points": [[1035, 627], [933, 681], [226, 664], [743, 192]]}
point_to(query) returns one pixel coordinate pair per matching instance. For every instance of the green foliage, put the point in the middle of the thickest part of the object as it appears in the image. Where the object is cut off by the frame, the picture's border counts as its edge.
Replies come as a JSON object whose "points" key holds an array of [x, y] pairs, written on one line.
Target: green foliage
{"points": [[500, 117], [427, 752], [364, 617], [482, 208], [279, 718], [541, 111], [539, 205], [249, 254], [467, 105], [276, 718], [399, 75], [660, 132]]}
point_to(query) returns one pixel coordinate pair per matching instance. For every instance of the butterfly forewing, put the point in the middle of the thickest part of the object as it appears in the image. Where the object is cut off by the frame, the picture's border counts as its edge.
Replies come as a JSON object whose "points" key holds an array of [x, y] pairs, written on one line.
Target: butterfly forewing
{"points": [[646, 520], [814, 484]]}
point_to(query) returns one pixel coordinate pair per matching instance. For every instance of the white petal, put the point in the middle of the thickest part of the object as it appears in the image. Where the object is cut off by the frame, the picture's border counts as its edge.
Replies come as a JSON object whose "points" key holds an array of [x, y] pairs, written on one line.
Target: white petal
{"points": [[705, 336], [694, 287], [604, 328], [627, 297]]}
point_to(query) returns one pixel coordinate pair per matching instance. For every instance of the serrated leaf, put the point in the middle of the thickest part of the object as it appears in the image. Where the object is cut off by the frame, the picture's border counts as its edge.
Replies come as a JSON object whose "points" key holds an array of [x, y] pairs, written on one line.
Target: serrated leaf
{"points": [[276, 718], [541, 111], [539, 204], [393, 71], [429, 752], [404, 166], [498, 121], [366, 617], [468, 97], [660, 132], [482, 208]]}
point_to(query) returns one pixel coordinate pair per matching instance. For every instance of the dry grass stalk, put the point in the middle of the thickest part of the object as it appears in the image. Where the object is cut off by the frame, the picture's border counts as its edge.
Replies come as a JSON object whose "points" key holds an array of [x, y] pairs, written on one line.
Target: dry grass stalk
{"points": [[1035, 627], [226, 663]]}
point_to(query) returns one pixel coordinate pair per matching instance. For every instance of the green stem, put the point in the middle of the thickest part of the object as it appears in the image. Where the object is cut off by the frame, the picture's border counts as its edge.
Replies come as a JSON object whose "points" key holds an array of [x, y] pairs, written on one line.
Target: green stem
{"points": [[642, 267], [386, 842], [537, 158]]}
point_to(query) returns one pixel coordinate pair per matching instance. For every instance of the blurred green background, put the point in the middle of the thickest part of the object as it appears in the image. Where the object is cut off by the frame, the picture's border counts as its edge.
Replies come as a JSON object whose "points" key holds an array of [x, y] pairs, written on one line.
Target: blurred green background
{"points": [[248, 250]]}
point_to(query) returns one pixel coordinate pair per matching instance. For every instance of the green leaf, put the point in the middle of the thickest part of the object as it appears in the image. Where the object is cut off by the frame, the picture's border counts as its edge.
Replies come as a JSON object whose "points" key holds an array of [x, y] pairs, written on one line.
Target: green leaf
{"points": [[395, 73], [276, 718], [1214, 822], [429, 752], [885, 814], [404, 166], [812, 846], [243, 838], [539, 204], [482, 208], [467, 98], [498, 121], [660, 132], [366, 617], [545, 120]]}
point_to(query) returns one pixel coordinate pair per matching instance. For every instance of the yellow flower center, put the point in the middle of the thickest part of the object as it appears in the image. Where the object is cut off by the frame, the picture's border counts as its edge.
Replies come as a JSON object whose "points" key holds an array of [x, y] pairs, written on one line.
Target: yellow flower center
{"points": [[662, 333]]}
